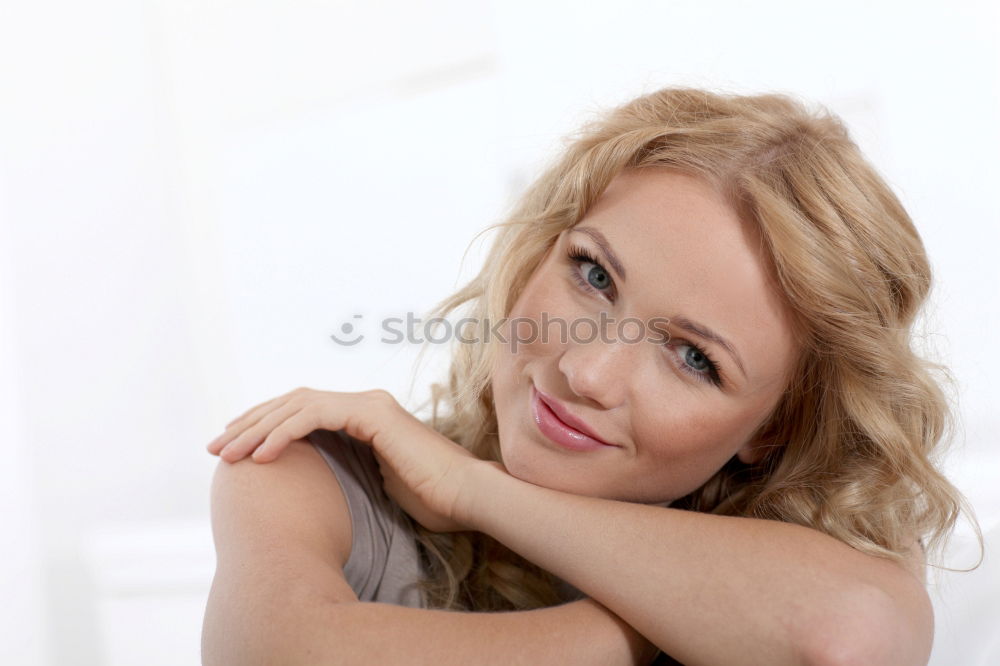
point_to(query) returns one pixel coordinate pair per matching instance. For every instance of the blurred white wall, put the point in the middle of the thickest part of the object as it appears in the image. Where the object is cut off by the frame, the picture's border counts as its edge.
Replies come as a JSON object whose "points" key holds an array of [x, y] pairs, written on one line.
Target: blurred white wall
{"points": [[195, 194]]}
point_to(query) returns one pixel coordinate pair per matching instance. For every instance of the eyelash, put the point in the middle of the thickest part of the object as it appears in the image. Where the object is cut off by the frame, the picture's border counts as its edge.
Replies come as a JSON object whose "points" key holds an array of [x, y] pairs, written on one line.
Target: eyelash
{"points": [[581, 255]]}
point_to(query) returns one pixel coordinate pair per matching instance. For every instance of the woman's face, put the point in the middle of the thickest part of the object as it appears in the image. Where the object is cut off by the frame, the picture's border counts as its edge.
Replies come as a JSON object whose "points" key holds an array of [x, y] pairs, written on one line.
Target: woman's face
{"points": [[675, 407]]}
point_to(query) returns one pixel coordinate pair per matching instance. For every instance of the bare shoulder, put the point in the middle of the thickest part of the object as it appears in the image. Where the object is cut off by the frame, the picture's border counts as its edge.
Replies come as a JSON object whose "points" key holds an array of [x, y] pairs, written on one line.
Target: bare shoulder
{"points": [[289, 515]]}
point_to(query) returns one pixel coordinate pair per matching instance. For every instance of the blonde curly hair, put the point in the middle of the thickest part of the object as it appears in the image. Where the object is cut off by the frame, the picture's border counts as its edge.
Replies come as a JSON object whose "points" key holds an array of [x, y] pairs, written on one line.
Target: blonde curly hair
{"points": [[853, 443]]}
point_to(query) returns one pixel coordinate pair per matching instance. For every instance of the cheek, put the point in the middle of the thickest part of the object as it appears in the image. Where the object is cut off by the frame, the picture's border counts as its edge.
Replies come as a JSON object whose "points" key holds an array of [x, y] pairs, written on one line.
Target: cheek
{"points": [[526, 351], [545, 292], [538, 324], [688, 443]]}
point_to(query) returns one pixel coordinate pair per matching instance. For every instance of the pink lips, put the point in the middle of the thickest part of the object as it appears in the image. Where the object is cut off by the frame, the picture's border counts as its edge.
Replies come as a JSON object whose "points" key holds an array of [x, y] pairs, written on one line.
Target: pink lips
{"points": [[561, 427]]}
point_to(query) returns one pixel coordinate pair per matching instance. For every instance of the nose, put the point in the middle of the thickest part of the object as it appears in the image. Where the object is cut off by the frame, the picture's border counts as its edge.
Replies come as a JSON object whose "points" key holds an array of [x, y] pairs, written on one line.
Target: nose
{"points": [[599, 370]]}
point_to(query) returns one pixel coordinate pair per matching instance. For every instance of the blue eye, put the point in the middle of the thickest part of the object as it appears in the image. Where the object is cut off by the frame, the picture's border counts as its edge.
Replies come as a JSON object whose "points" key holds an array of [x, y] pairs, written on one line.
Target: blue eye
{"points": [[598, 278], [696, 362], [696, 359]]}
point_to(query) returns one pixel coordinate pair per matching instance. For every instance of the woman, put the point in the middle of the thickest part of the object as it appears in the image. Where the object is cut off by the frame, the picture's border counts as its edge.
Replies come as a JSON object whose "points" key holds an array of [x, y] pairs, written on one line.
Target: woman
{"points": [[737, 468]]}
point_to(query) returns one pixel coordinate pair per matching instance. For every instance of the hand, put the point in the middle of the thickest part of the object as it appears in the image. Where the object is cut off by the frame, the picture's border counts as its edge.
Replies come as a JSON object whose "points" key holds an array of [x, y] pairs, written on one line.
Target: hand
{"points": [[427, 474]]}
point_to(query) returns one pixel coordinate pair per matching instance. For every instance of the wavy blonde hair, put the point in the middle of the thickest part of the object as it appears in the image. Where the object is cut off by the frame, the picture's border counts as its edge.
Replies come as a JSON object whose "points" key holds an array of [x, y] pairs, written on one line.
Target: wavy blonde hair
{"points": [[852, 445]]}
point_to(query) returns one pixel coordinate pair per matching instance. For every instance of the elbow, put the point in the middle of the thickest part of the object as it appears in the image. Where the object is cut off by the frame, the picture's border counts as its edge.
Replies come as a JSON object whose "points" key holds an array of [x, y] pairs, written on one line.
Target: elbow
{"points": [[871, 627], [243, 625], [231, 632], [267, 628], [220, 644]]}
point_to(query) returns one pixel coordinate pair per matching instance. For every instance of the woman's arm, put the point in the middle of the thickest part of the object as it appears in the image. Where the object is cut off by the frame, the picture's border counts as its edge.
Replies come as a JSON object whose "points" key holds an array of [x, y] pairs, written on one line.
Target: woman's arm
{"points": [[308, 630], [705, 589], [283, 534], [713, 589]]}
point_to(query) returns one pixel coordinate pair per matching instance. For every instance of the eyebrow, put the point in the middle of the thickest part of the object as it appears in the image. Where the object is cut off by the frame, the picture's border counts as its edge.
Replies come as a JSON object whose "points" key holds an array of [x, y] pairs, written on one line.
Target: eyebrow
{"points": [[679, 321], [707, 333], [605, 246]]}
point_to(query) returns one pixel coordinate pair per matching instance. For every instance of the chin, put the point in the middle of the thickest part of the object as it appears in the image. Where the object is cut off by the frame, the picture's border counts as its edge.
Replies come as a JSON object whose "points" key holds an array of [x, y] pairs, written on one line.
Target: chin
{"points": [[523, 466], [539, 470], [517, 466]]}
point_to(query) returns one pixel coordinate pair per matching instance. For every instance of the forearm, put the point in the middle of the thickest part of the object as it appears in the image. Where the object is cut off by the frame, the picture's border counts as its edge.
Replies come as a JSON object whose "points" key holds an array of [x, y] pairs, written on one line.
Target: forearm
{"points": [[704, 588], [309, 630]]}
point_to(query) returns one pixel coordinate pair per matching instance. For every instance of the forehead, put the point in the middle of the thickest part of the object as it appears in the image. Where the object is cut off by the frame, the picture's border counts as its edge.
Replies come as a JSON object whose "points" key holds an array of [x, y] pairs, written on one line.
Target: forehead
{"points": [[686, 252]]}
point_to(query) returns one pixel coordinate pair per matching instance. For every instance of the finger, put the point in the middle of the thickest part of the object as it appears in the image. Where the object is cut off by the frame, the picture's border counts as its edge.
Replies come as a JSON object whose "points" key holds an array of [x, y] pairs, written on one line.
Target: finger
{"points": [[266, 411], [240, 424], [255, 408], [237, 426], [285, 397], [252, 437], [296, 427]]}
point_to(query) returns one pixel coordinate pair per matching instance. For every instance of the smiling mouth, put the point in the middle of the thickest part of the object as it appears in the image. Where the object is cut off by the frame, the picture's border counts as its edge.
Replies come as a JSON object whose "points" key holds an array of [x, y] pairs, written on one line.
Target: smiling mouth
{"points": [[559, 432]]}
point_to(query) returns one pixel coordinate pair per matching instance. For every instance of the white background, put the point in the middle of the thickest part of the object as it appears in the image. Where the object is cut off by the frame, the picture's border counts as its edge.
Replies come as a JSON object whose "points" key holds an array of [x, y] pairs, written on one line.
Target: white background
{"points": [[195, 193]]}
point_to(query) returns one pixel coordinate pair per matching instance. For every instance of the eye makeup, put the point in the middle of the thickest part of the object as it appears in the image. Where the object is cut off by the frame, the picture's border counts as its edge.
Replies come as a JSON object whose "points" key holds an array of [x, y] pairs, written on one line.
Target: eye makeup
{"points": [[579, 256]]}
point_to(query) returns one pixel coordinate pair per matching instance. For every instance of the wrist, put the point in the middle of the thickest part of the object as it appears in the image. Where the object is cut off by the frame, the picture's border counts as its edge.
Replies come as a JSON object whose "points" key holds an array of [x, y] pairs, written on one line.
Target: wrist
{"points": [[483, 485]]}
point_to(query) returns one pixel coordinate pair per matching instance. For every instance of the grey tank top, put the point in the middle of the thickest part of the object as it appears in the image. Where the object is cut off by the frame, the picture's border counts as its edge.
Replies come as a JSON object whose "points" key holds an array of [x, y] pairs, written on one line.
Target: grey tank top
{"points": [[384, 564]]}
